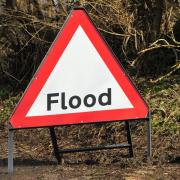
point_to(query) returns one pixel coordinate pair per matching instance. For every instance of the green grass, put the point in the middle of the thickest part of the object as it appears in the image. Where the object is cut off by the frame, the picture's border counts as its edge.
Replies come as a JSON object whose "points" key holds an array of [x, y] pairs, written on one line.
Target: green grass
{"points": [[163, 99], [6, 106]]}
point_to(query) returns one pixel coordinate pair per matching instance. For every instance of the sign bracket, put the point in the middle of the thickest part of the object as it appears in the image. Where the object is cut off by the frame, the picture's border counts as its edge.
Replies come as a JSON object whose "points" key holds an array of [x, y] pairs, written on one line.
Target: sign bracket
{"points": [[149, 138], [129, 139], [10, 150], [54, 143], [57, 152]]}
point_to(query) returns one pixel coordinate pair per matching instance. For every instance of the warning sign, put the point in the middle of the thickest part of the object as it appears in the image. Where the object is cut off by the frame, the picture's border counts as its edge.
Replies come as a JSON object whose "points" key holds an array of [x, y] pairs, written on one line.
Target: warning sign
{"points": [[79, 81]]}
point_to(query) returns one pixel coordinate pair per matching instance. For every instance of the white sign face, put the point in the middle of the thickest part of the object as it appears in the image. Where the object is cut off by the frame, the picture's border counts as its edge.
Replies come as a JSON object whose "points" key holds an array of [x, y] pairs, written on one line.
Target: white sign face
{"points": [[80, 82]]}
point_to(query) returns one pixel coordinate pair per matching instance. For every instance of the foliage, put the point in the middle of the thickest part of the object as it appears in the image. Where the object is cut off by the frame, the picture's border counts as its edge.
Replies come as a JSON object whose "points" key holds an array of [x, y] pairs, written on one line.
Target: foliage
{"points": [[6, 107], [142, 34], [163, 99]]}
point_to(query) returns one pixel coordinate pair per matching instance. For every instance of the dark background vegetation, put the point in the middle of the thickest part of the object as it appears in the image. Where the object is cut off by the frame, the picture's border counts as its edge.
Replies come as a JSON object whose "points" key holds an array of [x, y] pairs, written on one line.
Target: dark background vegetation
{"points": [[145, 36]]}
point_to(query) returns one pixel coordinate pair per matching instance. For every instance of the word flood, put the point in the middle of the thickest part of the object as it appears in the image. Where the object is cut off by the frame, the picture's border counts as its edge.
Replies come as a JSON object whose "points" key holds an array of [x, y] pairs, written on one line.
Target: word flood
{"points": [[75, 101]]}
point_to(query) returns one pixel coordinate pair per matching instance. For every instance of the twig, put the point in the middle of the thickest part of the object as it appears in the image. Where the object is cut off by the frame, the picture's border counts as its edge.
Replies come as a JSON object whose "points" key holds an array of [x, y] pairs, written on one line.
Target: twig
{"points": [[158, 46], [113, 33], [175, 68]]}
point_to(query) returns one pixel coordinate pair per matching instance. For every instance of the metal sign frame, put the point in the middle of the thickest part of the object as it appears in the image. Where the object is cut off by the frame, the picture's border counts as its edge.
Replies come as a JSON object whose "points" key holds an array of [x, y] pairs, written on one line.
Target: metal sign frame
{"points": [[58, 152]]}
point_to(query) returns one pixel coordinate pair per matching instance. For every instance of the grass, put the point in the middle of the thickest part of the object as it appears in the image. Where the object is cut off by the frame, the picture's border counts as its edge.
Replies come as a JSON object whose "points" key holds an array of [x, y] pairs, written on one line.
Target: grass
{"points": [[7, 104], [164, 103], [163, 99]]}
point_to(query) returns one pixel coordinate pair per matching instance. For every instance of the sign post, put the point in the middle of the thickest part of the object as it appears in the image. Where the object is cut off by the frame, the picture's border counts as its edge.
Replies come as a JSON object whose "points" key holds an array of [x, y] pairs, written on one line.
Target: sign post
{"points": [[10, 151], [128, 130], [149, 139], [79, 81], [55, 145]]}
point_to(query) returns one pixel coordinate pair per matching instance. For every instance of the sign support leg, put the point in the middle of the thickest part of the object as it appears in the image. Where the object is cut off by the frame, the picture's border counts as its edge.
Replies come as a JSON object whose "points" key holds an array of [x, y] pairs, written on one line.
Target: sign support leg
{"points": [[128, 130], [10, 151], [54, 143], [149, 139]]}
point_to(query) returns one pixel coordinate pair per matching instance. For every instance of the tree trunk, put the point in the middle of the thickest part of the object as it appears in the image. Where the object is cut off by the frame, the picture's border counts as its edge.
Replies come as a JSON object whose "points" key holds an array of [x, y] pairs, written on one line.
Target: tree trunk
{"points": [[11, 4], [158, 13]]}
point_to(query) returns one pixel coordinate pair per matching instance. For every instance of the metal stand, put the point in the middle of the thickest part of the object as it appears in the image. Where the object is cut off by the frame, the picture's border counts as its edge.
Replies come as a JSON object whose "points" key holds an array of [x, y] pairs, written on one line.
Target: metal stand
{"points": [[149, 139], [58, 153], [86, 149], [10, 151], [54, 143], [128, 130]]}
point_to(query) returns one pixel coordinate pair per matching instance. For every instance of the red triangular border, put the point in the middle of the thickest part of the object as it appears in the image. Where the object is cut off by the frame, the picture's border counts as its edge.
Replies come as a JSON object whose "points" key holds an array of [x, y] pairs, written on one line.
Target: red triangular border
{"points": [[77, 17]]}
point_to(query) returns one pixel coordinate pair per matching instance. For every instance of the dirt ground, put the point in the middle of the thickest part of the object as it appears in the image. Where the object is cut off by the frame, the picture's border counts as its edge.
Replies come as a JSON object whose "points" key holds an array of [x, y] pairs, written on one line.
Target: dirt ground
{"points": [[34, 159], [92, 172]]}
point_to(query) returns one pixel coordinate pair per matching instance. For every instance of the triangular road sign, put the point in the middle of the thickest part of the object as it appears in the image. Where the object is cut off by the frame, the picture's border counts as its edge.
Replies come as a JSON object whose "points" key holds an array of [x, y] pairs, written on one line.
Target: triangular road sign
{"points": [[79, 81]]}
